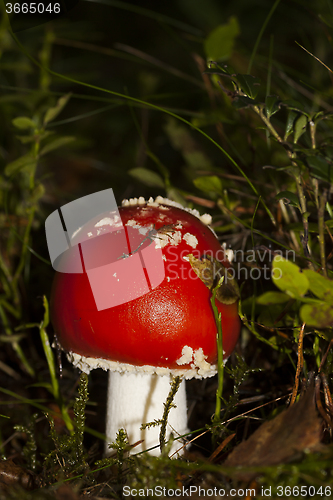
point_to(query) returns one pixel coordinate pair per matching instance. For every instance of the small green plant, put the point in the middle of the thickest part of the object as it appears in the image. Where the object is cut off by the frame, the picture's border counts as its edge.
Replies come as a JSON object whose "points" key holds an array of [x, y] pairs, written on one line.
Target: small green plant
{"points": [[21, 193], [118, 458], [68, 459]]}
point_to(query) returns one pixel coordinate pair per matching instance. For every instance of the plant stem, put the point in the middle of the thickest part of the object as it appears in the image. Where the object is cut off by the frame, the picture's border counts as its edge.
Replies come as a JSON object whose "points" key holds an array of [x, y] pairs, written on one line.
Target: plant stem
{"points": [[321, 230], [267, 122], [300, 364], [17, 348], [24, 248], [286, 217], [261, 32], [48, 351], [302, 201], [219, 340], [175, 383], [300, 191], [52, 367]]}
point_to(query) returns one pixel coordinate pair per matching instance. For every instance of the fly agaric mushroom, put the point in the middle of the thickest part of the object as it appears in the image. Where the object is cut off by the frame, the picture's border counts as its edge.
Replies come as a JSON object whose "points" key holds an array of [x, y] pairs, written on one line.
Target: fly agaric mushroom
{"points": [[167, 329]]}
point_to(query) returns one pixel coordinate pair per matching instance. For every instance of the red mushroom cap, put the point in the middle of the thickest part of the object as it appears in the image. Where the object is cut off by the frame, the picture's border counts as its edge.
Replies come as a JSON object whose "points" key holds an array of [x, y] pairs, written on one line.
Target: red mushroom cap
{"points": [[170, 328]]}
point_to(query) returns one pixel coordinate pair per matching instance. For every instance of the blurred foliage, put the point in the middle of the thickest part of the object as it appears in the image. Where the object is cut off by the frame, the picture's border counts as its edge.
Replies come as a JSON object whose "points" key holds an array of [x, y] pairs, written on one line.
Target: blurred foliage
{"points": [[222, 106]]}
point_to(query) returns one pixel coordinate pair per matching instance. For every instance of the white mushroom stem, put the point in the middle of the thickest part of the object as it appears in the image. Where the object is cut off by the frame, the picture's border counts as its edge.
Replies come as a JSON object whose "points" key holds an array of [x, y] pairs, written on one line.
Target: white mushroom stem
{"points": [[137, 398]]}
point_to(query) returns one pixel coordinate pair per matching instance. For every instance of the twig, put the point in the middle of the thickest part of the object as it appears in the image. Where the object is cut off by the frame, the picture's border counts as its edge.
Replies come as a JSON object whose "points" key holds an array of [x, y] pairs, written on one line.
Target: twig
{"points": [[325, 355], [221, 447], [321, 230], [321, 410], [300, 363], [327, 393], [219, 340]]}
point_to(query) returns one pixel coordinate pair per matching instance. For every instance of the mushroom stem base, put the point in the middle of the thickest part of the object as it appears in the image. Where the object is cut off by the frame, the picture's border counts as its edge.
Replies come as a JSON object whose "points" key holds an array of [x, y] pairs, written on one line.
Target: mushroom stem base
{"points": [[137, 398]]}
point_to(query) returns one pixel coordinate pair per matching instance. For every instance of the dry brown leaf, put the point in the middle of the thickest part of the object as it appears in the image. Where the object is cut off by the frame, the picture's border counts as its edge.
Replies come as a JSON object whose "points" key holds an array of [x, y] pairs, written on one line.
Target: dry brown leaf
{"points": [[12, 474], [281, 439], [65, 492]]}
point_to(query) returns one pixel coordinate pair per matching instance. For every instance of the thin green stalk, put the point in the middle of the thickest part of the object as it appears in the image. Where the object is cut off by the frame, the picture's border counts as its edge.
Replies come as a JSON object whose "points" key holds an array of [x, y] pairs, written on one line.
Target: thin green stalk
{"points": [[11, 309], [17, 348], [269, 79], [270, 63], [302, 200], [315, 183], [267, 122], [52, 366], [298, 179], [48, 351], [26, 237], [6, 283], [286, 217], [163, 170], [45, 58], [32, 402], [219, 342], [252, 221], [321, 230], [312, 126], [255, 231], [256, 45], [31, 250], [25, 247], [156, 16]]}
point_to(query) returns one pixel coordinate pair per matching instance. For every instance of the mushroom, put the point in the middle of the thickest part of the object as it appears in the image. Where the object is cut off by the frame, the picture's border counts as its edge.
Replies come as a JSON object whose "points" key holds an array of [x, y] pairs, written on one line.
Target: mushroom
{"points": [[142, 310]]}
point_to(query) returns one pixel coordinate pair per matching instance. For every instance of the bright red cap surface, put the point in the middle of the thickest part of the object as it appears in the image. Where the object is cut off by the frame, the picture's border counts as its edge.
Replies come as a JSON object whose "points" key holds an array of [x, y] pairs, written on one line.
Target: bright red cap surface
{"points": [[172, 325]]}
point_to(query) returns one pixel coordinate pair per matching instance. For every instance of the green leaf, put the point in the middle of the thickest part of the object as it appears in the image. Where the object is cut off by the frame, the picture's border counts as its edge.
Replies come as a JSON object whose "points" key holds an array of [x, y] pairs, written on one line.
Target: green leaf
{"points": [[317, 117], [216, 276], [290, 123], [26, 162], [48, 351], [319, 315], [298, 226], [209, 183], [289, 196], [37, 193], [293, 105], [243, 101], [269, 315], [249, 85], [25, 139], [12, 338], [320, 168], [53, 112], [272, 105], [56, 143], [46, 385], [220, 42], [176, 195], [299, 127], [23, 123], [196, 159], [211, 117], [147, 177], [269, 298], [288, 278], [217, 69], [320, 286]]}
